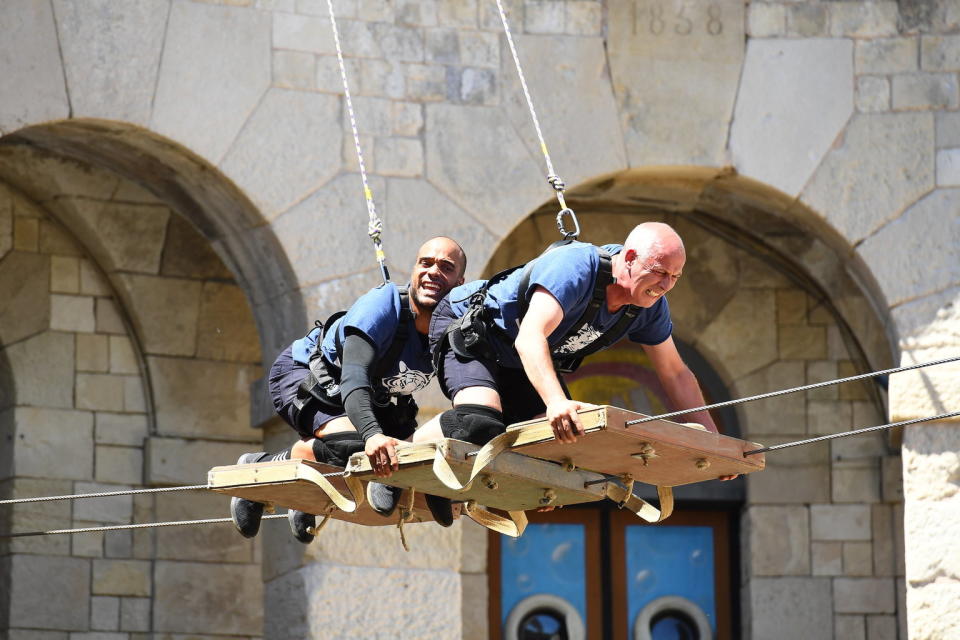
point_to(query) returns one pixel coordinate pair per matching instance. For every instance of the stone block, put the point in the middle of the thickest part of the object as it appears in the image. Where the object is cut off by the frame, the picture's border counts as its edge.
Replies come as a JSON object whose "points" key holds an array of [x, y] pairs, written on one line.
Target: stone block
{"points": [[190, 598], [104, 613], [89, 545], [135, 614], [225, 328], [670, 113], [947, 130], [126, 40], [399, 157], [134, 400], [108, 318], [376, 11], [294, 70], [919, 91], [873, 94], [72, 313], [430, 548], [798, 342], [64, 274], [849, 627], [92, 281], [479, 49], [299, 148], [857, 391], [425, 83], [36, 516], [193, 543], [727, 338], [826, 558], [795, 98], [165, 311], [462, 14], [794, 604], [177, 462], [583, 18], [442, 46], [766, 20], [473, 547], [119, 464], [920, 230], [861, 448], [384, 78], [882, 627], [931, 610], [855, 482], [54, 239], [882, 164], [115, 510], [122, 577], [807, 20], [118, 544], [322, 600], [543, 17], [828, 416], [791, 485], [864, 595], [30, 67], [477, 86], [64, 584], [940, 53], [123, 360], [884, 548], [779, 541], [407, 119], [791, 306], [131, 235], [45, 435], [948, 168], [33, 634], [886, 55], [26, 234], [403, 44], [358, 39], [840, 522], [857, 559], [414, 13], [821, 371], [930, 554], [474, 605], [99, 392], [218, 59], [891, 478], [93, 353], [188, 254], [863, 19], [40, 370]]}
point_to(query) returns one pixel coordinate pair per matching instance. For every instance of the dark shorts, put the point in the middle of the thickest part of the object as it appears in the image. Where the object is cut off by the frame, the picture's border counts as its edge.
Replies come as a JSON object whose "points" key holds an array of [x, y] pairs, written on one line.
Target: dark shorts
{"points": [[286, 374], [519, 399]]}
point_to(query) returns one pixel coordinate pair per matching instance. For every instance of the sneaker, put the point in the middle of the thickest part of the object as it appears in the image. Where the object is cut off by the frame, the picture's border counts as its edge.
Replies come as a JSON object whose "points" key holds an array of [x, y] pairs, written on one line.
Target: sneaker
{"points": [[246, 514], [383, 498], [442, 510], [300, 523]]}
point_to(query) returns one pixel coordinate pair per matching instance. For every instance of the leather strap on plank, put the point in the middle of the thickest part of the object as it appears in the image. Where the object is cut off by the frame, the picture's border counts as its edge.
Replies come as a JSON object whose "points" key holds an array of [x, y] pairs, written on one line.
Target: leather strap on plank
{"points": [[640, 506], [486, 455], [343, 503], [512, 526]]}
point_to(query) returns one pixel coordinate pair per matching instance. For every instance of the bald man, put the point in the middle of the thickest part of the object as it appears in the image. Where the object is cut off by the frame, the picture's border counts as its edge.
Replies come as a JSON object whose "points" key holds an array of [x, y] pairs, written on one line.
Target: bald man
{"points": [[498, 342], [347, 387]]}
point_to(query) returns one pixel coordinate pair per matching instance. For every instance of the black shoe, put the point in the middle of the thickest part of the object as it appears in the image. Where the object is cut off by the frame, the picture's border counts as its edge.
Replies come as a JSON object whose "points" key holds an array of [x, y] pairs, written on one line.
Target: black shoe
{"points": [[246, 514], [300, 522], [442, 510], [383, 498]]}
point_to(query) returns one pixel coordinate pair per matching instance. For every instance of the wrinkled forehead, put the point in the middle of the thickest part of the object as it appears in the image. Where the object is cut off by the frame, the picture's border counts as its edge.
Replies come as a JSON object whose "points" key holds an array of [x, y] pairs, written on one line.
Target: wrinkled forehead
{"points": [[441, 249]]}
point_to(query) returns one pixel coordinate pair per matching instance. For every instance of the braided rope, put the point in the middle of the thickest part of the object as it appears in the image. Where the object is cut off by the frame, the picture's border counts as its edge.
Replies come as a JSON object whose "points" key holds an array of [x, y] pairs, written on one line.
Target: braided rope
{"points": [[375, 224]]}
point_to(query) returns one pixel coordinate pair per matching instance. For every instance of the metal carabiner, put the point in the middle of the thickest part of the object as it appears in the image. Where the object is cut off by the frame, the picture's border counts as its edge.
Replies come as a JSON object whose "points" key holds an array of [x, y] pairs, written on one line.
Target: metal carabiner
{"points": [[576, 224]]}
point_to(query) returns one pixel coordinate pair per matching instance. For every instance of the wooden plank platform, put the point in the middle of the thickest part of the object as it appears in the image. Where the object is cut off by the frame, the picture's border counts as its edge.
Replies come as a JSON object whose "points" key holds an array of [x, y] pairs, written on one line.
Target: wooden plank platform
{"points": [[659, 452], [293, 484], [511, 482]]}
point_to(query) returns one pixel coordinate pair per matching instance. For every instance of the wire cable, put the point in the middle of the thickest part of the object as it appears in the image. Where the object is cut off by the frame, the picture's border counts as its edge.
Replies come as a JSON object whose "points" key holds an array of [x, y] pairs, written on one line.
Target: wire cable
{"points": [[120, 527]]}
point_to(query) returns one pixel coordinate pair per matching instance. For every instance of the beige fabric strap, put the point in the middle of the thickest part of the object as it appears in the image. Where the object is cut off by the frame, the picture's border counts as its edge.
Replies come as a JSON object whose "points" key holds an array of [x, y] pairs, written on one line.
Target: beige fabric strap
{"points": [[343, 503], [484, 457], [512, 526], [640, 506]]}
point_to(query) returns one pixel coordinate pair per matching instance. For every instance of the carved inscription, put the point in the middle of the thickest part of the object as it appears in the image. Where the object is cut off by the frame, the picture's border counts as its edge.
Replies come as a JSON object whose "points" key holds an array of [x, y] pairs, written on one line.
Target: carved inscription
{"points": [[657, 18]]}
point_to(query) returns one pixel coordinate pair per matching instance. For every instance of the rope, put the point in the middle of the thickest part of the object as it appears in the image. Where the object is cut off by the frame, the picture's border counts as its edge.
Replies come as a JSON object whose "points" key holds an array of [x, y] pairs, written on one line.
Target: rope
{"points": [[144, 525], [131, 492], [773, 394], [552, 177], [834, 436], [375, 224]]}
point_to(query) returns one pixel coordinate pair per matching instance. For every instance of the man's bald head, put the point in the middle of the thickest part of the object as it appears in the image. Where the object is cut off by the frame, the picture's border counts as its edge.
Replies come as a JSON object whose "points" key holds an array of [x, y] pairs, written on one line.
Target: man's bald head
{"points": [[655, 238], [439, 268], [648, 266], [450, 247]]}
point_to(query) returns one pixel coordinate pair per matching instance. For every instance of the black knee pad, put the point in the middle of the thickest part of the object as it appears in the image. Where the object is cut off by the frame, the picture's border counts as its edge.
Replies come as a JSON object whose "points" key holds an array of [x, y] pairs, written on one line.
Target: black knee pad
{"points": [[336, 448], [472, 423]]}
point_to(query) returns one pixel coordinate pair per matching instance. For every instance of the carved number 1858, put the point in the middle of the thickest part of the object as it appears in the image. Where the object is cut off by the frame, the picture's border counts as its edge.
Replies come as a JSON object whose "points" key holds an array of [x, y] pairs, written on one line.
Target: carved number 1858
{"points": [[655, 19]]}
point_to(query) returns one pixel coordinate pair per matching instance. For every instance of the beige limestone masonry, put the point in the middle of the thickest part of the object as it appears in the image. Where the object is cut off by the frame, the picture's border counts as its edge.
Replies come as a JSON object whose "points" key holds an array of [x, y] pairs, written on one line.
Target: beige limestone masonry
{"points": [[867, 144]]}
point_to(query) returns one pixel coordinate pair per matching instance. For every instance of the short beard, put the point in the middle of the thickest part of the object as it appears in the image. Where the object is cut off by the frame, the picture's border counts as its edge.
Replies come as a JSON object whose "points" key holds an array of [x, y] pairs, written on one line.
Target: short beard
{"points": [[424, 305]]}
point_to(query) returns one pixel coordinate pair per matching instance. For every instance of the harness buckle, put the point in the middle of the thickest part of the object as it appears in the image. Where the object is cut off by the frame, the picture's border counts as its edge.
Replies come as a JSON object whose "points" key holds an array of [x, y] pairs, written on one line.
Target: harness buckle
{"points": [[568, 235]]}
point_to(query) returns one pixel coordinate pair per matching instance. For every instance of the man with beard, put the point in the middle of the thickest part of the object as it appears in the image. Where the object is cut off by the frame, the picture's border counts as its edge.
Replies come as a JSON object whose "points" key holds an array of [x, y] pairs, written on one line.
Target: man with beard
{"points": [[347, 386]]}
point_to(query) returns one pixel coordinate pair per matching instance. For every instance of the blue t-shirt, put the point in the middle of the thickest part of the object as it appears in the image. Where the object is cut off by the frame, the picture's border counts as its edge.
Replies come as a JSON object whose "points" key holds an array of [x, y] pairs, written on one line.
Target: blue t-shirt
{"points": [[376, 314], [568, 273]]}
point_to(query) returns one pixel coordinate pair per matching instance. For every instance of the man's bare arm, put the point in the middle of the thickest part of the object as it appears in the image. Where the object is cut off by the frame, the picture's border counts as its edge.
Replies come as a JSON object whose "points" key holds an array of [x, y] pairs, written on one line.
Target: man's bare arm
{"points": [[542, 318], [679, 382]]}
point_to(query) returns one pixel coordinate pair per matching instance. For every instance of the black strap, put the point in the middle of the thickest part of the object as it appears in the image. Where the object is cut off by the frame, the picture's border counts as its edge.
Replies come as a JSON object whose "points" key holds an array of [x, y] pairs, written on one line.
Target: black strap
{"points": [[569, 362], [399, 338]]}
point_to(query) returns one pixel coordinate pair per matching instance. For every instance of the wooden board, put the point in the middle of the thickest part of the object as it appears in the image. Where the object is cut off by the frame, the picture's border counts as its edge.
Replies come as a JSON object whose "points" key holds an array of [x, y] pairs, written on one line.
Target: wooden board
{"points": [[660, 452], [512, 482], [287, 484]]}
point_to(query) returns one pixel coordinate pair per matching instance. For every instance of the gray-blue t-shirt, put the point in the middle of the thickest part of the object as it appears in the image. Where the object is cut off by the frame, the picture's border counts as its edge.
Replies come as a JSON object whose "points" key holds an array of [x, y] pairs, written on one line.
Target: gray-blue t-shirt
{"points": [[568, 273], [376, 314]]}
